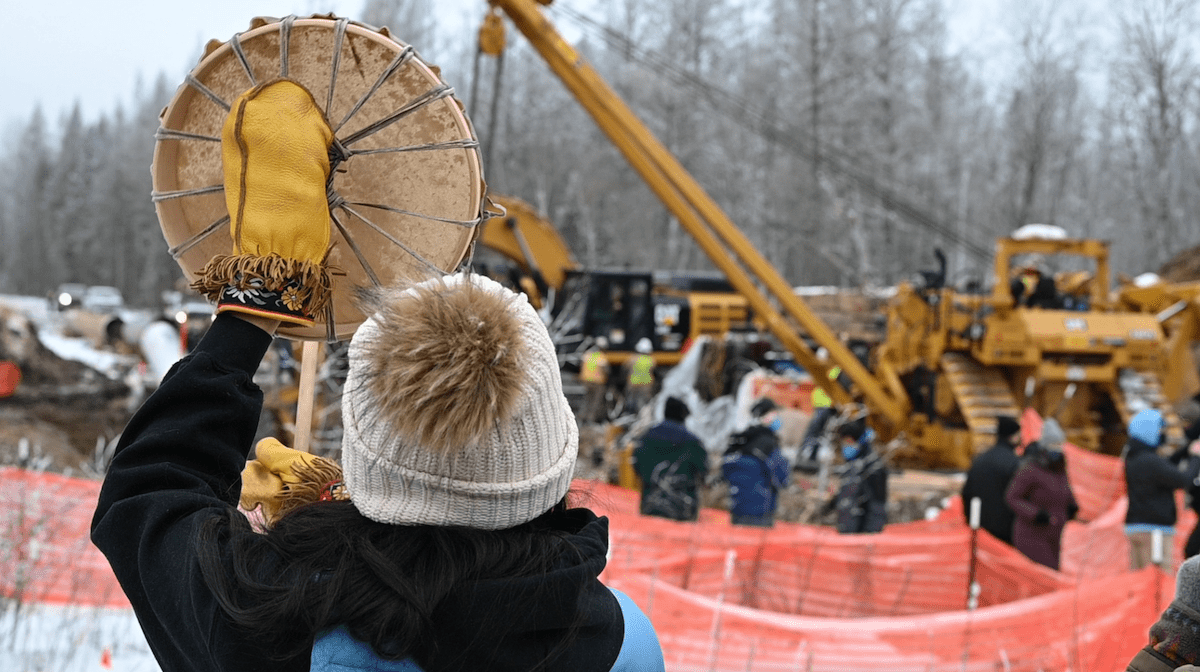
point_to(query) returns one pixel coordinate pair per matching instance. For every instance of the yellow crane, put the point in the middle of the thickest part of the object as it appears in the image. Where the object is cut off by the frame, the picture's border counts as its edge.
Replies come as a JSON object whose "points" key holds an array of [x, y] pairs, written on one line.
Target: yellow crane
{"points": [[769, 295]]}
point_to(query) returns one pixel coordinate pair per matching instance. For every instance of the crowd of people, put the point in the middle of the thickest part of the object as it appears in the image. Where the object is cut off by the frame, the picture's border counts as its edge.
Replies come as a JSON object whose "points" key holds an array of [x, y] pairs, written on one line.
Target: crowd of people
{"points": [[672, 465], [1026, 500]]}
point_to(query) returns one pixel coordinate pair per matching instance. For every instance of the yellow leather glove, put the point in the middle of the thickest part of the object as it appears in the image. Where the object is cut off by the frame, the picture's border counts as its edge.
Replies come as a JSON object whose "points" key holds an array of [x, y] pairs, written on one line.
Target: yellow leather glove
{"points": [[282, 479], [275, 153]]}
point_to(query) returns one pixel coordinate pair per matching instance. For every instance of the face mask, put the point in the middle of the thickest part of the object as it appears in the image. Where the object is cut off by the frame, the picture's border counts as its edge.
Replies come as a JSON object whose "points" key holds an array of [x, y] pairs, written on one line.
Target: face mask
{"points": [[776, 424], [849, 452]]}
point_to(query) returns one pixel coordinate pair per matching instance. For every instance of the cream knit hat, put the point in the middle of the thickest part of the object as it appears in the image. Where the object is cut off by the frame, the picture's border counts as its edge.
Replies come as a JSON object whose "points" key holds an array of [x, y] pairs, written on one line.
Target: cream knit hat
{"points": [[453, 409]]}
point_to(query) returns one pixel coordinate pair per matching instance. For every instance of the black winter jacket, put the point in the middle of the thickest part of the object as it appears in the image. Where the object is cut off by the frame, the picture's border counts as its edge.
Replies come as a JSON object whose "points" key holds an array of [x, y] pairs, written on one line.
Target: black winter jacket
{"points": [[1151, 482], [178, 466], [862, 498], [988, 479]]}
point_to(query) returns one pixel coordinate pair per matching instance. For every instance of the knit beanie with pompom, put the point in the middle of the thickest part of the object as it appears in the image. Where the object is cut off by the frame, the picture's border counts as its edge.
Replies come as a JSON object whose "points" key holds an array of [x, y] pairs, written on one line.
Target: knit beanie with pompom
{"points": [[453, 409]]}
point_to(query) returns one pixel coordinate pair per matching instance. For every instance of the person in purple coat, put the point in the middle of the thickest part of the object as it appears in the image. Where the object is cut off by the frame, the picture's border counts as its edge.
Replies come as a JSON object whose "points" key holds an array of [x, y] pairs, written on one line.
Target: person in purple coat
{"points": [[1041, 498]]}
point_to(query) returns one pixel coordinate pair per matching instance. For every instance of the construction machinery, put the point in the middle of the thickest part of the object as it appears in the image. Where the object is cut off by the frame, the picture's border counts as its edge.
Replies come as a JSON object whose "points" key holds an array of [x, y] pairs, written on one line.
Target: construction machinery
{"points": [[1176, 307], [1080, 357], [527, 239], [622, 306], [952, 362]]}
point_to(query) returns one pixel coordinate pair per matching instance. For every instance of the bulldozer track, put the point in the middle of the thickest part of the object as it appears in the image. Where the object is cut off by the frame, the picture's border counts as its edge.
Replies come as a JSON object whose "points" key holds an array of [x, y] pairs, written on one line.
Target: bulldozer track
{"points": [[982, 395], [1141, 390]]}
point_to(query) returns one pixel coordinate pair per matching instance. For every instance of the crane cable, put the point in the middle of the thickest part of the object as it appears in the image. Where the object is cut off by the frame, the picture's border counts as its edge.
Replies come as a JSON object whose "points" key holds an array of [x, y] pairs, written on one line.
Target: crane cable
{"points": [[737, 108]]}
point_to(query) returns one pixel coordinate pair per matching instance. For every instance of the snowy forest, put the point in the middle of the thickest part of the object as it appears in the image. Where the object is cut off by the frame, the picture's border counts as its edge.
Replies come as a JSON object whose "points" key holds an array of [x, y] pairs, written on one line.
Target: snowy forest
{"points": [[846, 138]]}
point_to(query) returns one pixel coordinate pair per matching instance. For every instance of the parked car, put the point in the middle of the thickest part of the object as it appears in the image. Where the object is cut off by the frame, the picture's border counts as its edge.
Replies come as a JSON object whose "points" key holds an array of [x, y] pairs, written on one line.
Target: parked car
{"points": [[103, 299], [68, 295]]}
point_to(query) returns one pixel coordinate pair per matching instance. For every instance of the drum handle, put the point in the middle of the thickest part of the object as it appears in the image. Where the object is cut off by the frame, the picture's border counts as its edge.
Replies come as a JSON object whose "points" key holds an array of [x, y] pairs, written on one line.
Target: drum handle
{"points": [[310, 353]]}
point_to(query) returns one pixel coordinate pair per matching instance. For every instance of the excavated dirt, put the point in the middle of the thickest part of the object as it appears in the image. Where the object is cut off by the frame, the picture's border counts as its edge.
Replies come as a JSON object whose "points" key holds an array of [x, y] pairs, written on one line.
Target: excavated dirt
{"points": [[61, 409], [1183, 267]]}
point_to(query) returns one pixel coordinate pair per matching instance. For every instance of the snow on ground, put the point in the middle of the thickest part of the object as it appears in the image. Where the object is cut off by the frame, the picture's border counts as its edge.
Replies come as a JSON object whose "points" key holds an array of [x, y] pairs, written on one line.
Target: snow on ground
{"points": [[81, 350], [49, 328], [42, 638]]}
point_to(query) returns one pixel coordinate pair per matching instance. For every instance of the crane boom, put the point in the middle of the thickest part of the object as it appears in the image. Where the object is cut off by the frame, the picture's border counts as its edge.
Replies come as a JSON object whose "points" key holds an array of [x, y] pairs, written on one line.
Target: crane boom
{"points": [[767, 292]]}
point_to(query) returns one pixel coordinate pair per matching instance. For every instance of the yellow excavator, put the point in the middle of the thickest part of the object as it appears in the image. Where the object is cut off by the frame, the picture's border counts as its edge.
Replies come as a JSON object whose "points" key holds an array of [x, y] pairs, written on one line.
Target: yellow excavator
{"points": [[525, 238], [622, 306], [951, 361]]}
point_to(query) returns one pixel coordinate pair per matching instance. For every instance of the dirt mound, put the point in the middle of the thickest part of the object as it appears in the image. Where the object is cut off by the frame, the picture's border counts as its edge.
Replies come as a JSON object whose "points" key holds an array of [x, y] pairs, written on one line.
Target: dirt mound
{"points": [[41, 440], [61, 407], [1183, 267]]}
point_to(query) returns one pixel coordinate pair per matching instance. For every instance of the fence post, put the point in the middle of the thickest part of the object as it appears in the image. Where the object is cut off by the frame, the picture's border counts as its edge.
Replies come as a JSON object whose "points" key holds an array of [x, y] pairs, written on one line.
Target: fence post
{"points": [[1156, 557], [715, 633], [973, 588]]}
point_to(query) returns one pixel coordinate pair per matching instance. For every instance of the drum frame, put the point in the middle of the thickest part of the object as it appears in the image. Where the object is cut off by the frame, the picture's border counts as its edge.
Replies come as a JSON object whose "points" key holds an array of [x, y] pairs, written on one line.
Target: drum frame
{"points": [[410, 261]]}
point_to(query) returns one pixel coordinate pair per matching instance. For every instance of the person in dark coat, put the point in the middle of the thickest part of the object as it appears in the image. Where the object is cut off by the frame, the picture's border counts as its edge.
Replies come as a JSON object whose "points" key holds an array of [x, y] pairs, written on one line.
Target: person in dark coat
{"points": [[862, 498], [443, 540], [1192, 547], [755, 468], [1151, 481], [671, 462], [1191, 434], [989, 477], [1041, 498]]}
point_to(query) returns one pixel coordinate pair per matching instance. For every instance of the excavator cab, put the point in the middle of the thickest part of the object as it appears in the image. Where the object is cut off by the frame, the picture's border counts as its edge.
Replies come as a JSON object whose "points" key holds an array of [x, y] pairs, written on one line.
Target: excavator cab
{"points": [[669, 309], [617, 305]]}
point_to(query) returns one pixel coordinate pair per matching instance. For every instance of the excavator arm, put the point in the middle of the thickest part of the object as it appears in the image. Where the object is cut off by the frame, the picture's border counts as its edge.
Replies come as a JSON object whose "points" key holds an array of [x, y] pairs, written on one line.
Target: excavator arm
{"points": [[768, 293], [524, 237]]}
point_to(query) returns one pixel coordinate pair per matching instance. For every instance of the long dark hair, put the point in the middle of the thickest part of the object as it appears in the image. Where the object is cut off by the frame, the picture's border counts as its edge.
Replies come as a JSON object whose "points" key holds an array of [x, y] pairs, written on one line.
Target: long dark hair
{"points": [[326, 565]]}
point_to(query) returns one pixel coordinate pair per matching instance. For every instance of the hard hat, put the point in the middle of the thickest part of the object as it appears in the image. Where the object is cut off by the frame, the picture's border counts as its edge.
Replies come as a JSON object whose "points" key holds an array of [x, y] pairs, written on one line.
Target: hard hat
{"points": [[644, 346], [822, 353], [601, 342]]}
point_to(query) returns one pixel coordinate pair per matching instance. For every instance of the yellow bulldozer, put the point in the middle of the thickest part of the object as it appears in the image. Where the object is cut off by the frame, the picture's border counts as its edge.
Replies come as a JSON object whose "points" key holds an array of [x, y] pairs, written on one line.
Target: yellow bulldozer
{"points": [[1069, 350]]}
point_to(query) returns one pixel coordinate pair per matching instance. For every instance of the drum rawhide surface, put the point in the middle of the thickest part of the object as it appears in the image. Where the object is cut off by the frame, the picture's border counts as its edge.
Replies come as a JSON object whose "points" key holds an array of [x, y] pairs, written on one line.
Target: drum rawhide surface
{"points": [[407, 193]]}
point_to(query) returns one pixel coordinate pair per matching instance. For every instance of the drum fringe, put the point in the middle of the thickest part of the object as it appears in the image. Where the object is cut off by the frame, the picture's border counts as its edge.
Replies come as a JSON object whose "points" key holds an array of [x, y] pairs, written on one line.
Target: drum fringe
{"points": [[248, 272]]}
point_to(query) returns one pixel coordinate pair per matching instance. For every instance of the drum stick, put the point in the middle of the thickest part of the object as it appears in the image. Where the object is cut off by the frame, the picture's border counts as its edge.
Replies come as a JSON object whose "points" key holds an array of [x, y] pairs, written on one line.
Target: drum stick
{"points": [[304, 404]]}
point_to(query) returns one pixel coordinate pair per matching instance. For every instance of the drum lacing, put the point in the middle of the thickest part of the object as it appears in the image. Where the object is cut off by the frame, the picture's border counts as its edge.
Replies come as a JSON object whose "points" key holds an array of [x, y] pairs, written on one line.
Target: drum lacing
{"points": [[339, 152]]}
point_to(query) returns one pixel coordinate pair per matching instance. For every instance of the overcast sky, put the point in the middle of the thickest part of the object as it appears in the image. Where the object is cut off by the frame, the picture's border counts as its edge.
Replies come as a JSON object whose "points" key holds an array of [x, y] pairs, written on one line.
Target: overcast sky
{"points": [[56, 52]]}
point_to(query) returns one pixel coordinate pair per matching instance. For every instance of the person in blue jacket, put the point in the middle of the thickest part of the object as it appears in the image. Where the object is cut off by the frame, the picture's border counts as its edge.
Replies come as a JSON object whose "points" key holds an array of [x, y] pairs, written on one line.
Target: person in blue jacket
{"points": [[755, 468], [444, 540]]}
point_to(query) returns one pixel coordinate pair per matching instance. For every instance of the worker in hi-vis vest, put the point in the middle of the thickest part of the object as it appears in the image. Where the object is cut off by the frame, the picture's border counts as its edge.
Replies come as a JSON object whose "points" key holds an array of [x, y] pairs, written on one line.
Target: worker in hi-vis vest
{"points": [[822, 411], [593, 373], [639, 386]]}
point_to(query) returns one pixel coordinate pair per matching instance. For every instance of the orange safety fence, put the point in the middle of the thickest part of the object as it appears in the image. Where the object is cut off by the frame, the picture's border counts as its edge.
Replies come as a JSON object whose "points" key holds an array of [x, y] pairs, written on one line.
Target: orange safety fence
{"points": [[46, 556], [1096, 627], [814, 571], [725, 597], [1093, 616]]}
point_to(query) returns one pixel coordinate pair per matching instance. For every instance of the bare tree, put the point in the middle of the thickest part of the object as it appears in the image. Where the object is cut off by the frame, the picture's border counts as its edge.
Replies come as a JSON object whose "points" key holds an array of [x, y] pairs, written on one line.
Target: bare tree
{"points": [[1154, 79], [1043, 116], [411, 21]]}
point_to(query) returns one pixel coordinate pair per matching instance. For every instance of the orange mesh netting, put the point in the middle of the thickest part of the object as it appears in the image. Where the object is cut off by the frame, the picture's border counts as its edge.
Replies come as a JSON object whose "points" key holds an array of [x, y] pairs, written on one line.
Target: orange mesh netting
{"points": [[47, 556], [792, 597]]}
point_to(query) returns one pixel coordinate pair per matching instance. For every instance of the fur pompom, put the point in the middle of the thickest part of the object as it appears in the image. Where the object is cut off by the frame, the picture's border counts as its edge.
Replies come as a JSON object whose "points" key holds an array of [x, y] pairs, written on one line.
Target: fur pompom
{"points": [[445, 364]]}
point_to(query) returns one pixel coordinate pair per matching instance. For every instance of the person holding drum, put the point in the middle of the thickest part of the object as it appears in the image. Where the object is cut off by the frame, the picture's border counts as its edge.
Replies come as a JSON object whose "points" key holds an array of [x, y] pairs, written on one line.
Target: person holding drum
{"points": [[444, 540]]}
